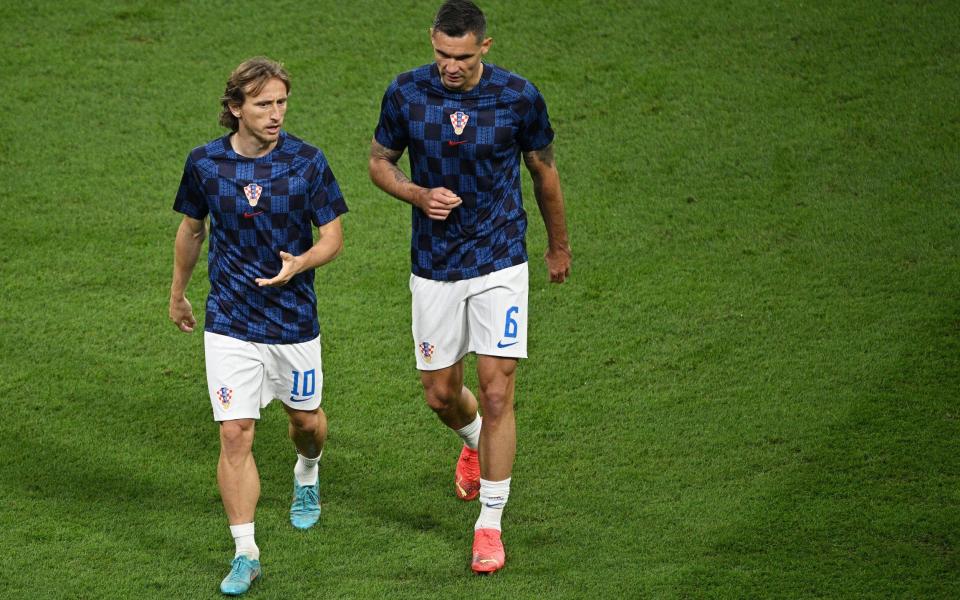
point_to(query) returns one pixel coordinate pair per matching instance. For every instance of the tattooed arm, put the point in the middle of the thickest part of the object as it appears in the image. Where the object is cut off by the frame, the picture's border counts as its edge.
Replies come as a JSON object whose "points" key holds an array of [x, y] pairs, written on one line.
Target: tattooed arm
{"points": [[436, 203], [546, 188]]}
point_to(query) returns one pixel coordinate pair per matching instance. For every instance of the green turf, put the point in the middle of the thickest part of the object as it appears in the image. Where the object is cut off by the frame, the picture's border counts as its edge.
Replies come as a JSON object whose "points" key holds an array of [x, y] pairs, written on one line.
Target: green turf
{"points": [[748, 388]]}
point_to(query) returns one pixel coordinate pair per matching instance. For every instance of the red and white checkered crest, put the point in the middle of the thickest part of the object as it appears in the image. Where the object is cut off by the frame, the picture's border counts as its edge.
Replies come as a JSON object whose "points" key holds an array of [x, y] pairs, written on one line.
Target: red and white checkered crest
{"points": [[252, 192], [459, 121]]}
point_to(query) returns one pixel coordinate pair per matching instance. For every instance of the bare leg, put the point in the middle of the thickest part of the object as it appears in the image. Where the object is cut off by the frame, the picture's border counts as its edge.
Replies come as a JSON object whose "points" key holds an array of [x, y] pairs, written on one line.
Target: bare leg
{"points": [[237, 472], [498, 447], [498, 437], [445, 394], [308, 430]]}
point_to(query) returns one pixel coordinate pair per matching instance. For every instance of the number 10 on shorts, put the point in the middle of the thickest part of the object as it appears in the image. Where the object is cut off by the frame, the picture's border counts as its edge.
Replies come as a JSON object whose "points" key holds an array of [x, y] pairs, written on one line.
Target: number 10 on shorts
{"points": [[308, 381]]}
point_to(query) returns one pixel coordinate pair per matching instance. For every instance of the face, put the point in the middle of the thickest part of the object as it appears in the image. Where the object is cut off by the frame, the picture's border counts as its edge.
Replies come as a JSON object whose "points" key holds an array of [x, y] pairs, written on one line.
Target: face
{"points": [[459, 59], [261, 115]]}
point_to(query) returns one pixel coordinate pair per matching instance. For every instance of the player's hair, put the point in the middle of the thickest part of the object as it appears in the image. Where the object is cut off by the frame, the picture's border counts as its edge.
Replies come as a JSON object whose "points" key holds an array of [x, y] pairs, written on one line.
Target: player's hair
{"points": [[457, 18], [249, 78]]}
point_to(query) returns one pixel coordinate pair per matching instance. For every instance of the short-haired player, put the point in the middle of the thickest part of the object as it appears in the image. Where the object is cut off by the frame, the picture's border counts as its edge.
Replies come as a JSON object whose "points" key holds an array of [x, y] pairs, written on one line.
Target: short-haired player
{"points": [[466, 124]]}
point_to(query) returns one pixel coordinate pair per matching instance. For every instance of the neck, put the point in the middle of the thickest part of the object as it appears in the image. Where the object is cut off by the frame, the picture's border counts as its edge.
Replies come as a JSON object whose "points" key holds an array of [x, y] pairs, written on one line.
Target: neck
{"points": [[474, 83], [249, 146]]}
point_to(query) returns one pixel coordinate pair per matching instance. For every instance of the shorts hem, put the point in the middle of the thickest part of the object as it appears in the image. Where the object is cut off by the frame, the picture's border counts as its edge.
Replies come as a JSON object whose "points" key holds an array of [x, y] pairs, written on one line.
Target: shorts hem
{"points": [[304, 406], [438, 366], [502, 355], [237, 417]]}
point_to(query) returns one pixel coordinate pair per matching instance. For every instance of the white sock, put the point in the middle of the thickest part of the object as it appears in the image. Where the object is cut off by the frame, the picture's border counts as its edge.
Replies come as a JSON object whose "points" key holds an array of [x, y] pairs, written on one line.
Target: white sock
{"points": [[493, 497], [471, 433], [243, 538], [306, 470]]}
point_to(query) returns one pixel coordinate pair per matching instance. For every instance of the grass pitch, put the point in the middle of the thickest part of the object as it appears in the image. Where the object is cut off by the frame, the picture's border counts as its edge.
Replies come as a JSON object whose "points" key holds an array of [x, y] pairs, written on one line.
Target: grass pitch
{"points": [[748, 388]]}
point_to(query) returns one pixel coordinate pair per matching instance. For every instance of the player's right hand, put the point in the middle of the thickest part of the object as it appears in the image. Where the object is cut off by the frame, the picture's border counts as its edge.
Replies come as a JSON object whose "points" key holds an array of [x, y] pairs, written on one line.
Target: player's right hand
{"points": [[437, 203], [181, 313], [558, 263]]}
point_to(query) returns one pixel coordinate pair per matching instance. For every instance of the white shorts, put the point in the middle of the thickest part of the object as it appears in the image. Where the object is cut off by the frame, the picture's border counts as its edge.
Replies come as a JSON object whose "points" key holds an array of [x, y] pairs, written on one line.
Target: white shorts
{"points": [[486, 315], [244, 377]]}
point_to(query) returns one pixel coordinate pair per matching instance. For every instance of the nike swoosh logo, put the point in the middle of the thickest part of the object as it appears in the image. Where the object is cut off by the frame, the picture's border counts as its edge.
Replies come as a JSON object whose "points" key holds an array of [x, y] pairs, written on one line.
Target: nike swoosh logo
{"points": [[253, 214], [500, 344], [292, 399], [453, 143]]}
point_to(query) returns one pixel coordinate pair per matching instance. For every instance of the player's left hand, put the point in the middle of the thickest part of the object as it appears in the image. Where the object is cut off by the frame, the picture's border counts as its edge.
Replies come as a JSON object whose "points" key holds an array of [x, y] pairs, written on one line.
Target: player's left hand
{"points": [[181, 313], [558, 263], [291, 266]]}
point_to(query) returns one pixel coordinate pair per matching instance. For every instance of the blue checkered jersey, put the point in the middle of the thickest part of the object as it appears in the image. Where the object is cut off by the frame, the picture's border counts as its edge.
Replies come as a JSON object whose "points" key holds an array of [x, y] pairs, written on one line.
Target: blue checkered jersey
{"points": [[258, 207], [469, 143]]}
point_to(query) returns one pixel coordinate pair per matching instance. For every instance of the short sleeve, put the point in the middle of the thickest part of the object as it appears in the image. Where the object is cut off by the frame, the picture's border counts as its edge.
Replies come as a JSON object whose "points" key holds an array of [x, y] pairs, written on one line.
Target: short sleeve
{"points": [[190, 199], [535, 131], [391, 131], [326, 199]]}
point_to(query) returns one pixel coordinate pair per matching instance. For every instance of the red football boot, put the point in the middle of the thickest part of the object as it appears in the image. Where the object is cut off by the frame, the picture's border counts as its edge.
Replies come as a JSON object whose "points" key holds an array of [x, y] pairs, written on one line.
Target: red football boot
{"points": [[467, 480], [488, 554]]}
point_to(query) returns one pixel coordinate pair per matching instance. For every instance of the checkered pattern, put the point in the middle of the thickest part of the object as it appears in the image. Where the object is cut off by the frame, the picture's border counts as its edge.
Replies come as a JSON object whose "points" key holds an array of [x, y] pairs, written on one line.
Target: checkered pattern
{"points": [[506, 116], [299, 189]]}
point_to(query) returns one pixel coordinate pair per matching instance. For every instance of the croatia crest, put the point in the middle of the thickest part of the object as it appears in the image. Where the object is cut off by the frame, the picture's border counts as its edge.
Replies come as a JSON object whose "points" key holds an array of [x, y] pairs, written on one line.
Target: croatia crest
{"points": [[459, 121], [224, 395], [426, 349], [252, 192]]}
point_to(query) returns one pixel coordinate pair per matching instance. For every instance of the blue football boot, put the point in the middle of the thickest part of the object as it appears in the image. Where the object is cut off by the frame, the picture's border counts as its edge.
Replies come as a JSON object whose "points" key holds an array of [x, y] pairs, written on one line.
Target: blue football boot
{"points": [[305, 510], [243, 572]]}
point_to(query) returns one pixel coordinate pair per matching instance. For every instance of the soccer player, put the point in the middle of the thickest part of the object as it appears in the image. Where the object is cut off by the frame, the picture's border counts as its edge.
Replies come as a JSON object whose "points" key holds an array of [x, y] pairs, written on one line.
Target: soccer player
{"points": [[263, 190], [466, 124]]}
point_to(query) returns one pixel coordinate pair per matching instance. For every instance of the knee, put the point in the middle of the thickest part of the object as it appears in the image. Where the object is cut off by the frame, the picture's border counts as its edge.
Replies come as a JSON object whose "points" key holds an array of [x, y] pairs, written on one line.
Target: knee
{"points": [[237, 436], [497, 401], [305, 422], [441, 397]]}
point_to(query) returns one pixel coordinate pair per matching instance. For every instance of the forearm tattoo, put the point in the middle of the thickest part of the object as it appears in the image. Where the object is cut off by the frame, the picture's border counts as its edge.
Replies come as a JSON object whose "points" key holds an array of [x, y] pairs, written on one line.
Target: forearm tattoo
{"points": [[399, 176], [390, 156], [379, 151]]}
